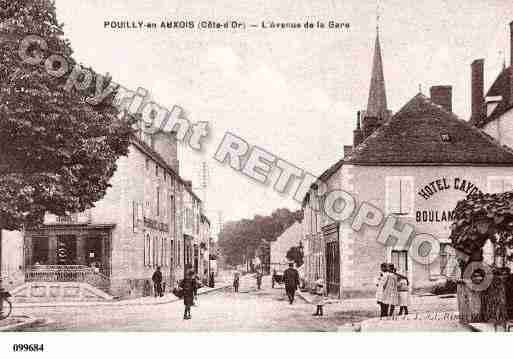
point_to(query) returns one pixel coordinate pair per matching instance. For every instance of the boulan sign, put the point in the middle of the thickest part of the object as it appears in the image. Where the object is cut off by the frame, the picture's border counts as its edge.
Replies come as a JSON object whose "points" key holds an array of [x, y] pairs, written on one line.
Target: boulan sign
{"points": [[438, 186]]}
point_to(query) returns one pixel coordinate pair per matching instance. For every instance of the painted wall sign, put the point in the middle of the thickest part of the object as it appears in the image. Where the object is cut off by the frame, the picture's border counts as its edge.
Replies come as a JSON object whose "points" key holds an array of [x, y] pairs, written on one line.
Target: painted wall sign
{"points": [[440, 185], [443, 184]]}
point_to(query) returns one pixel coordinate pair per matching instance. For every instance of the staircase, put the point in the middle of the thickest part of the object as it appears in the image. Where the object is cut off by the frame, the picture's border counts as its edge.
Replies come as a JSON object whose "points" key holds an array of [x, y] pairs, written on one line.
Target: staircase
{"points": [[62, 283]]}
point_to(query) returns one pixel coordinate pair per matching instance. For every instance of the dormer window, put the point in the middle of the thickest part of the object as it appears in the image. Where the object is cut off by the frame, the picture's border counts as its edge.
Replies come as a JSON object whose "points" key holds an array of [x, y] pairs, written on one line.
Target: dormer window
{"points": [[445, 137]]}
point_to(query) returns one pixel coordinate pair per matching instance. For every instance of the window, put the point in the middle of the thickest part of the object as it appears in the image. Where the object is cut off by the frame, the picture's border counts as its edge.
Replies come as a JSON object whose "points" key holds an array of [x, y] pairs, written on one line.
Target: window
{"points": [[136, 215], [399, 259], [163, 259], [499, 184], [40, 250], [147, 164], [158, 200], [399, 195], [156, 169], [147, 209], [178, 257], [445, 253], [445, 137], [147, 248]]}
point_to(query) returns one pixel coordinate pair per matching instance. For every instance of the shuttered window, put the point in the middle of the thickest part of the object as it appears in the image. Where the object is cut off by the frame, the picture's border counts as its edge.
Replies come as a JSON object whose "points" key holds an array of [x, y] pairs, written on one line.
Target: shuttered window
{"points": [[399, 195], [499, 184]]}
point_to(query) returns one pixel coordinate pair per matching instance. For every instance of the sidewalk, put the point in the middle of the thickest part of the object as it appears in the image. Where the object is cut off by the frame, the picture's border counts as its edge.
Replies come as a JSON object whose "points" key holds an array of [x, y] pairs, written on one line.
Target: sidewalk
{"points": [[167, 298], [18, 322], [427, 313]]}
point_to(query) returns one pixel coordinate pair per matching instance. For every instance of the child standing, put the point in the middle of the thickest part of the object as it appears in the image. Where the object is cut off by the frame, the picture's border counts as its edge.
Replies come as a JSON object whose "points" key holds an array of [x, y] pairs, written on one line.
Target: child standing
{"points": [[236, 282], [319, 299], [404, 294]]}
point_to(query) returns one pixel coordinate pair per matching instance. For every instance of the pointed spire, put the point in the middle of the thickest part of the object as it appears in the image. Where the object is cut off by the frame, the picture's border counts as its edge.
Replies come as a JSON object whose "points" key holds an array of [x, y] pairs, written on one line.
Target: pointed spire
{"points": [[377, 105]]}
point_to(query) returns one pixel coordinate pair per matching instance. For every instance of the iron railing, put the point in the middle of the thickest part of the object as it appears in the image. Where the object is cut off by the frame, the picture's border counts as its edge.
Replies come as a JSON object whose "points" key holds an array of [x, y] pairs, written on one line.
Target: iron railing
{"points": [[67, 273]]}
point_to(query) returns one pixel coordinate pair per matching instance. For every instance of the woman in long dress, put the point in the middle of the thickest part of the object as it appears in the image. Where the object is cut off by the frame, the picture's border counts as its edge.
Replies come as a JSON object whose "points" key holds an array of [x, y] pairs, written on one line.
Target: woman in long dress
{"points": [[379, 291], [390, 292]]}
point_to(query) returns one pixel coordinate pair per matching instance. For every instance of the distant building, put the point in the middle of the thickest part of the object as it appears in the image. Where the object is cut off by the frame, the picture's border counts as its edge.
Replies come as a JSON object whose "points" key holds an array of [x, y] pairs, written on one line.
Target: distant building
{"points": [[292, 237], [493, 112]]}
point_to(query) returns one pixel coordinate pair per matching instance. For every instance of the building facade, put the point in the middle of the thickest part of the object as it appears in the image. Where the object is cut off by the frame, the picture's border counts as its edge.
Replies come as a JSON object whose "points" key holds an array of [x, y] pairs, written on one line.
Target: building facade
{"points": [[413, 167], [149, 218]]}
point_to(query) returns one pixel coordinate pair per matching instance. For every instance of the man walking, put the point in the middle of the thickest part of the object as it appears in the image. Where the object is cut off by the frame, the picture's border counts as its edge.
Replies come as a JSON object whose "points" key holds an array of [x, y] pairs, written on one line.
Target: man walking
{"points": [[157, 282], [291, 279], [259, 279]]}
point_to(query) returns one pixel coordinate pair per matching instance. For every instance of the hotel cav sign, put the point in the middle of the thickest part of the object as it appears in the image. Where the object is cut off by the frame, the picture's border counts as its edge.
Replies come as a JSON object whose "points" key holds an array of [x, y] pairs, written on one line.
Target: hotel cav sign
{"points": [[441, 185]]}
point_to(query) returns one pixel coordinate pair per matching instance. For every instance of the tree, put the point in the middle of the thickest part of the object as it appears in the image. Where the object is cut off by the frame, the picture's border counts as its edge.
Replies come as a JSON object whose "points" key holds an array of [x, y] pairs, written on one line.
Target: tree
{"points": [[295, 254], [479, 218], [240, 240], [58, 151], [483, 217]]}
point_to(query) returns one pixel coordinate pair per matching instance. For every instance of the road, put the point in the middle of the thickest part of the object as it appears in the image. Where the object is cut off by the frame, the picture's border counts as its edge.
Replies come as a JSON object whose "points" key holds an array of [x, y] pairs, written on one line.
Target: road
{"points": [[248, 310]]}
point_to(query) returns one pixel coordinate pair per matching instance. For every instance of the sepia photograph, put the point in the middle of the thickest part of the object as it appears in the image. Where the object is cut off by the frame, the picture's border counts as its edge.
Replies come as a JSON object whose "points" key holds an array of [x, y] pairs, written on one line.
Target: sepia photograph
{"points": [[296, 166]]}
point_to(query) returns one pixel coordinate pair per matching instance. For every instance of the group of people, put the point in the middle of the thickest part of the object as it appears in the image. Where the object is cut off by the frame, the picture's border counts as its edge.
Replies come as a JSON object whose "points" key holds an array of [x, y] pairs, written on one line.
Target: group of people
{"points": [[187, 287], [392, 290], [236, 280]]}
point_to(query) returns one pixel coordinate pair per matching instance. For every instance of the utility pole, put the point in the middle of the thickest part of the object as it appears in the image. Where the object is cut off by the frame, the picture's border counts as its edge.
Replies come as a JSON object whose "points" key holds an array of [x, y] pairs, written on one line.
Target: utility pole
{"points": [[203, 180], [1, 287]]}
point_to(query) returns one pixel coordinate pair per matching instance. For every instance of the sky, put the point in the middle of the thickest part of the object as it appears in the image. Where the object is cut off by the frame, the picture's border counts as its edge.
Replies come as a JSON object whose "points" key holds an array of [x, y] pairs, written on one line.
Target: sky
{"points": [[294, 93]]}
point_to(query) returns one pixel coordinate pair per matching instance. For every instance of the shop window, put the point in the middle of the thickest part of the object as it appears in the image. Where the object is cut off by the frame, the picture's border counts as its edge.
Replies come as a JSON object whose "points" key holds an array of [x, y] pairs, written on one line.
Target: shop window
{"points": [[499, 184], [399, 258], [40, 250], [399, 195]]}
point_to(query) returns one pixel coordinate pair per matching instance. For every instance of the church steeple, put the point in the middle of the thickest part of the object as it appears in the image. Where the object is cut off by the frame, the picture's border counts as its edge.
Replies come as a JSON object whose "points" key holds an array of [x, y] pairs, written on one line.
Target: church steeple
{"points": [[377, 111], [377, 104]]}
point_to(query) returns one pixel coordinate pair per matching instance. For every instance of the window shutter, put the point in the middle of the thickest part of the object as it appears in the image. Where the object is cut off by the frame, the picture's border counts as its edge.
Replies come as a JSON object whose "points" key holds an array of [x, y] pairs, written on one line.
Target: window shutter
{"points": [[392, 200], [134, 216], [407, 195]]}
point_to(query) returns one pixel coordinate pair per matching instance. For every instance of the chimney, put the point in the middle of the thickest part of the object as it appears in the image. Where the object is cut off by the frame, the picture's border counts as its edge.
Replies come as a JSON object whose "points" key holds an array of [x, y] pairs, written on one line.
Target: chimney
{"points": [[442, 95], [370, 124], [347, 150], [357, 133], [477, 82]]}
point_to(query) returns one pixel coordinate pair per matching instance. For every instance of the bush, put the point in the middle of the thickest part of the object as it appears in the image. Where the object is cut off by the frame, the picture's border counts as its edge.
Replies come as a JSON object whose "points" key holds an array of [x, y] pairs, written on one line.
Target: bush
{"points": [[448, 287]]}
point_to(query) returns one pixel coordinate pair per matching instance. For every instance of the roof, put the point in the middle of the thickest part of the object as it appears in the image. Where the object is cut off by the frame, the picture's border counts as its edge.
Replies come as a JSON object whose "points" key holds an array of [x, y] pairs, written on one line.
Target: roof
{"points": [[500, 87], [414, 136]]}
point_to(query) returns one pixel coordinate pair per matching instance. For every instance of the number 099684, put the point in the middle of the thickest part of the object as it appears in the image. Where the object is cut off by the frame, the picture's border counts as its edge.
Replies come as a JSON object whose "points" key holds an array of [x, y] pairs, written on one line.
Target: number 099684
{"points": [[27, 347]]}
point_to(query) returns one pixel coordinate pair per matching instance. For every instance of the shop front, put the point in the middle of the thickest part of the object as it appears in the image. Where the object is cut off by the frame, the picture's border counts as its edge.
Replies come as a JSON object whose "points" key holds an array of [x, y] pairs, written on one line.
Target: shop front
{"points": [[69, 253]]}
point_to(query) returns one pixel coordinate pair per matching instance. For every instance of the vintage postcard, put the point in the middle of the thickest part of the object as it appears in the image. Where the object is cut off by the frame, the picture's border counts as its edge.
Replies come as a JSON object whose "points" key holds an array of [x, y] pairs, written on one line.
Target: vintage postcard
{"points": [[255, 166]]}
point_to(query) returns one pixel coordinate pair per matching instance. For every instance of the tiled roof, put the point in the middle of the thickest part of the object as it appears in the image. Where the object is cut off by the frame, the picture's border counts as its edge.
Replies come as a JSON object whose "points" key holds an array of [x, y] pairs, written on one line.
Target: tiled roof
{"points": [[414, 136]]}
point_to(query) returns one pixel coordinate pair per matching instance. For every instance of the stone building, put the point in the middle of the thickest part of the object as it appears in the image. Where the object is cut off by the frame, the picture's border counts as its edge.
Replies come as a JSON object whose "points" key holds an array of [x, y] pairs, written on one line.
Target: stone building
{"points": [[413, 166], [148, 218]]}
